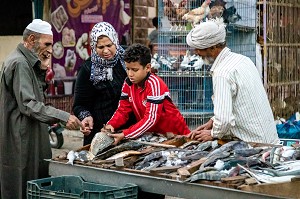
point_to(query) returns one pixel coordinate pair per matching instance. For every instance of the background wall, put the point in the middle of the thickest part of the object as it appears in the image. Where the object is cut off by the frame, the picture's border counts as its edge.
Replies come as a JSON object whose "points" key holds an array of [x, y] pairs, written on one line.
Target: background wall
{"points": [[8, 44]]}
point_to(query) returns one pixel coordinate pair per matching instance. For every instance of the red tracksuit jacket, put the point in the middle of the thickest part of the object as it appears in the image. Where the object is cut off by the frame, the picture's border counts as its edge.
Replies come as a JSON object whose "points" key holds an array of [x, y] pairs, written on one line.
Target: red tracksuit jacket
{"points": [[152, 107]]}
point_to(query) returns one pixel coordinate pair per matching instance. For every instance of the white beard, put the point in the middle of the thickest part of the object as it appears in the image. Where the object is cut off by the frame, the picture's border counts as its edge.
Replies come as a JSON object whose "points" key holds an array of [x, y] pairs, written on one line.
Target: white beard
{"points": [[208, 60]]}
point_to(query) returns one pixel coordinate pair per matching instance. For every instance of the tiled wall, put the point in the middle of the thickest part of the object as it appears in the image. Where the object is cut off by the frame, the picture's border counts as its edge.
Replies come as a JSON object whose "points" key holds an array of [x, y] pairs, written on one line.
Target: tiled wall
{"points": [[143, 12]]}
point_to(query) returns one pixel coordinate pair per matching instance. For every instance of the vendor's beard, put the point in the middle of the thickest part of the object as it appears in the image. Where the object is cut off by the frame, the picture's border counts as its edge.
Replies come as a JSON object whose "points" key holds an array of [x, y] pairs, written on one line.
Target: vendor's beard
{"points": [[35, 48], [208, 60]]}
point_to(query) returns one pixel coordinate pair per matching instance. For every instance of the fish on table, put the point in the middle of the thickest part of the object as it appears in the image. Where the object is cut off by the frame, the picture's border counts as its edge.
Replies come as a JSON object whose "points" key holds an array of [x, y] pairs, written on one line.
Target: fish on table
{"points": [[100, 142], [209, 175], [124, 154], [128, 145], [83, 156]]}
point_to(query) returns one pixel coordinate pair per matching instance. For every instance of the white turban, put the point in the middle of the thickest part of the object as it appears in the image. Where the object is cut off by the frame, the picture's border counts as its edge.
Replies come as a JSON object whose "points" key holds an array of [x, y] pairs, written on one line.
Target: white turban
{"points": [[40, 26], [207, 34]]}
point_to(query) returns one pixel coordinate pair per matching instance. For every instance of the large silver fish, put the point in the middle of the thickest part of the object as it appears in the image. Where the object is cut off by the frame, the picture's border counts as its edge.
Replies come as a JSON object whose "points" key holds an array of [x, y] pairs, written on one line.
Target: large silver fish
{"points": [[129, 145], [100, 142]]}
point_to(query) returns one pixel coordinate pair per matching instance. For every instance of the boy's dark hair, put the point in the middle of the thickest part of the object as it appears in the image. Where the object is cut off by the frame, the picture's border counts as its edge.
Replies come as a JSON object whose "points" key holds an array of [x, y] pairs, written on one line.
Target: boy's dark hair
{"points": [[138, 52], [155, 22]]}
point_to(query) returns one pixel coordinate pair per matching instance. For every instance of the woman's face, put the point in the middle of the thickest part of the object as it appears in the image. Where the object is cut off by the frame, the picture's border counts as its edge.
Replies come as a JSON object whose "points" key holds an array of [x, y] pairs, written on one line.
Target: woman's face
{"points": [[105, 48]]}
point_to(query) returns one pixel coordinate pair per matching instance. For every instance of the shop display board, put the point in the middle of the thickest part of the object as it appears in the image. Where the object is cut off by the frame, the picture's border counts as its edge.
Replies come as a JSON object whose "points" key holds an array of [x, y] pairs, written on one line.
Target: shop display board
{"points": [[72, 22]]}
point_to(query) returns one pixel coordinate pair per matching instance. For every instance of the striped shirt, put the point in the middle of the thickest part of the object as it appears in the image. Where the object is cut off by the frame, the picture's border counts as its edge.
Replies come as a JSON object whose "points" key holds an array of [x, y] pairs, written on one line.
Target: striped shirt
{"points": [[241, 106]]}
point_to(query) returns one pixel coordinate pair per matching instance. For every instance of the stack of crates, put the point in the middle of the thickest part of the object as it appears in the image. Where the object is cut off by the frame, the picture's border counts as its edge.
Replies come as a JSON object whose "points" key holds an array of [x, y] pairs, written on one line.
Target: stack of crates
{"points": [[75, 187]]}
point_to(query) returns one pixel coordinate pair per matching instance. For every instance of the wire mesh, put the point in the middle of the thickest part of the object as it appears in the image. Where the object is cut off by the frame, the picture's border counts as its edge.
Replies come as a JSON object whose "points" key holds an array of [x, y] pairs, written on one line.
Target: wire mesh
{"points": [[186, 74]]}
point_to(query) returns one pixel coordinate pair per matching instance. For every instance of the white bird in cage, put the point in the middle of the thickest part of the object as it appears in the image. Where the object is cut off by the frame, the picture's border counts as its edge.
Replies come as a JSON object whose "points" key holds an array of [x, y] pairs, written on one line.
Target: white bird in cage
{"points": [[154, 64], [198, 63], [166, 62], [185, 61]]}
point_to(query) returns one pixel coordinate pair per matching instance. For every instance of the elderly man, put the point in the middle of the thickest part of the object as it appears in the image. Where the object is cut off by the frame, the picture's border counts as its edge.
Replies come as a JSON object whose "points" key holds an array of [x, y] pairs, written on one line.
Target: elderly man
{"points": [[24, 141], [241, 107]]}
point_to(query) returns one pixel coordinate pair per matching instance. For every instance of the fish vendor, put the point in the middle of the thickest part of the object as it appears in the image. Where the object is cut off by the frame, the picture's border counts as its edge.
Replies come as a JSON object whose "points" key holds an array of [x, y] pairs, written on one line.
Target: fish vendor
{"points": [[148, 97], [241, 107]]}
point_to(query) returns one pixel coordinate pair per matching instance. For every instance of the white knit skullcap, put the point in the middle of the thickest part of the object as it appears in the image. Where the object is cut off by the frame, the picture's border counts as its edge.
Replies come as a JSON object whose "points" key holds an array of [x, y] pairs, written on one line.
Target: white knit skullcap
{"points": [[40, 26], [207, 34]]}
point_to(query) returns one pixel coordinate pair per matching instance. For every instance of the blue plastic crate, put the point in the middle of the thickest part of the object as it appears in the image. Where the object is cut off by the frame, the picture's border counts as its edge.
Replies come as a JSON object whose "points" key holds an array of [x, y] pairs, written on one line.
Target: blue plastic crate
{"points": [[75, 187]]}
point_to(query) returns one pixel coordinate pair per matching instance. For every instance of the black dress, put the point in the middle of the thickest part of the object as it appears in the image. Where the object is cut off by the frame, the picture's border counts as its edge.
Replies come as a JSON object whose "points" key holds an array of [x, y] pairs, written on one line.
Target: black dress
{"points": [[101, 100]]}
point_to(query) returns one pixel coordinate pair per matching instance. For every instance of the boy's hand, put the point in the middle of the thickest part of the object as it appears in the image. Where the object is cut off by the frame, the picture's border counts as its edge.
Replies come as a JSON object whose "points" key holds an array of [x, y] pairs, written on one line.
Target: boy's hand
{"points": [[108, 128], [117, 136]]}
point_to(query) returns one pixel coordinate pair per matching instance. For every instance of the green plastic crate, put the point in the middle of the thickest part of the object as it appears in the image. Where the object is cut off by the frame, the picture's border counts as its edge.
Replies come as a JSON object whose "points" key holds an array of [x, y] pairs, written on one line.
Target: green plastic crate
{"points": [[75, 187]]}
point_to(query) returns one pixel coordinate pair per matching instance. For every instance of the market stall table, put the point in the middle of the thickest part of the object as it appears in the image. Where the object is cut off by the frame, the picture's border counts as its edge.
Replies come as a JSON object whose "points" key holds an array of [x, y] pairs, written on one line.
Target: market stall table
{"points": [[150, 183]]}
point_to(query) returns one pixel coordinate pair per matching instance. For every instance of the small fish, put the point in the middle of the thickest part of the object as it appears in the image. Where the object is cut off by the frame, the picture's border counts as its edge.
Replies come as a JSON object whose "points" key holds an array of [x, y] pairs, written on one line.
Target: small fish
{"points": [[213, 159], [206, 169], [194, 155], [85, 156], [262, 177], [124, 154], [228, 147], [187, 144], [154, 164], [153, 156], [247, 152], [203, 146], [71, 157], [210, 175]]}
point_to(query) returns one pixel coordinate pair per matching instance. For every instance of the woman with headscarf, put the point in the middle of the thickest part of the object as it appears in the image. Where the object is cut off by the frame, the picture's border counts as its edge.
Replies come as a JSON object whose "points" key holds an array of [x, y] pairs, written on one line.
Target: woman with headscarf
{"points": [[99, 81]]}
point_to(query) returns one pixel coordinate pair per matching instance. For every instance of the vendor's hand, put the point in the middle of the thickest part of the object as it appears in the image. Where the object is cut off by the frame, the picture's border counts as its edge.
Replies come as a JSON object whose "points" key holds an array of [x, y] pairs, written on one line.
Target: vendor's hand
{"points": [[108, 128], [203, 136], [117, 136], [207, 126], [73, 123], [88, 124]]}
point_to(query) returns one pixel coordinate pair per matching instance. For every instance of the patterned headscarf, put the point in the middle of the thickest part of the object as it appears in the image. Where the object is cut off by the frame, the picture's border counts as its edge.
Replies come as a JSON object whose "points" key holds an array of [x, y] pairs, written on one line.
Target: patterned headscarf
{"points": [[101, 69]]}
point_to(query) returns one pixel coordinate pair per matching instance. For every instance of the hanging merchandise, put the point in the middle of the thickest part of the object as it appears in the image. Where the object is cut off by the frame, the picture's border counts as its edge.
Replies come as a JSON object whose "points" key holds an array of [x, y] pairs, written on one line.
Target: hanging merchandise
{"points": [[72, 21]]}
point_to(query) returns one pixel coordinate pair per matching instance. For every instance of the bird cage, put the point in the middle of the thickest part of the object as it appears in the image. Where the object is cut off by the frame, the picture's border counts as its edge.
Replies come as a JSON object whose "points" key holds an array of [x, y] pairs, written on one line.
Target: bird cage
{"points": [[185, 73], [279, 27], [242, 29]]}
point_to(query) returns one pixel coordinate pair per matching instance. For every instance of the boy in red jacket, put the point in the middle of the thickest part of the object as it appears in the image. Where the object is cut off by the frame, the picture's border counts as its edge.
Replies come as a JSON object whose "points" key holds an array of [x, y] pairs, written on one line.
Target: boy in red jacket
{"points": [[148, 97]]}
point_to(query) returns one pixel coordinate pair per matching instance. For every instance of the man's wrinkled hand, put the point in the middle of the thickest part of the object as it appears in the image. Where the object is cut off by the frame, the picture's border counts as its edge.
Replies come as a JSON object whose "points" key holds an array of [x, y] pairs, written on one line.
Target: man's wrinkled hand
{"points": [[203, 136], [73, 123]]}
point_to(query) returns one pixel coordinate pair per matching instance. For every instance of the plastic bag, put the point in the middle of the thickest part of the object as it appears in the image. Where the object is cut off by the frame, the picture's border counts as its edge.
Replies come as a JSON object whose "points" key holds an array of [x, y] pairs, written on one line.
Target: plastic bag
{"points": [[289, 129]]}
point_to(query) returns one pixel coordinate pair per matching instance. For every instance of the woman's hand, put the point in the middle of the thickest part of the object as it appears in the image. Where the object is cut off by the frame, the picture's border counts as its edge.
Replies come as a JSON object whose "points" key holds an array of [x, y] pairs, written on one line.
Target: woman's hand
{"points": [[88, 124]]}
